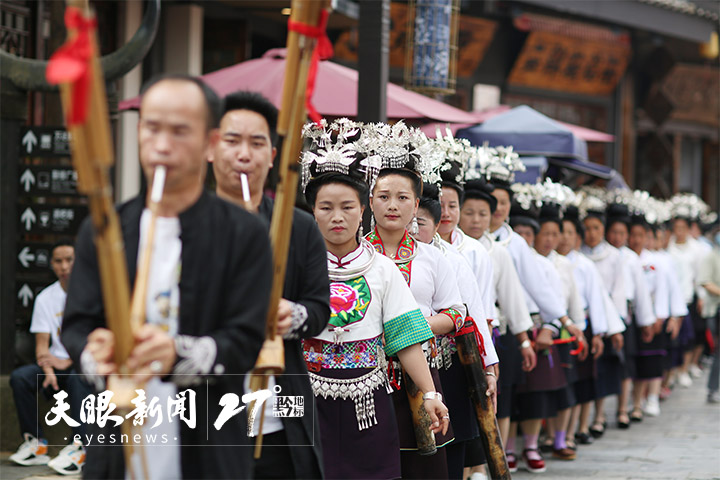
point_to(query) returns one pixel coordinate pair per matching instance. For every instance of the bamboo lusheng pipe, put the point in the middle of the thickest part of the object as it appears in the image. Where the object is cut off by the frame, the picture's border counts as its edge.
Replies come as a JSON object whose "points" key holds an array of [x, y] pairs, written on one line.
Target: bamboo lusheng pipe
{"points": [[92, 158], [469, 353], [138, 307], [424, 436], [292, 116]]}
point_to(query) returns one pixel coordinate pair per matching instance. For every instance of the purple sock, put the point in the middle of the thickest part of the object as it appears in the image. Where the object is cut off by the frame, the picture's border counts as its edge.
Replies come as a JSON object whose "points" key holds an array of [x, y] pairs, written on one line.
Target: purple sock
{"points": [[560, 440]]}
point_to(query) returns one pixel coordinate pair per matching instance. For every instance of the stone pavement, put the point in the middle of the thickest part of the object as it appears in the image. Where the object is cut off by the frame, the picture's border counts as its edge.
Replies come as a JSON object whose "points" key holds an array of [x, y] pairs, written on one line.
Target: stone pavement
{"points": [[682, 443]]}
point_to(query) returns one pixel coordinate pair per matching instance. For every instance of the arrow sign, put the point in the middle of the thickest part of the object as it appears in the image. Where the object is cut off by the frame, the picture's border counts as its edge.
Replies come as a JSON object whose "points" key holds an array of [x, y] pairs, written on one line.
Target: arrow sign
{"points": [[26, 257], [29, 141], [28, 218], [28, 179], [25, 294]]}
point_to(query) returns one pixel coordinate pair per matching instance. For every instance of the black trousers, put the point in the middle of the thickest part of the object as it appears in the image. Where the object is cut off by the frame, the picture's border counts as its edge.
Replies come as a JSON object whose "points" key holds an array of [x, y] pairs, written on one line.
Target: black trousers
{"points": [[26, 383], [275, 461]]}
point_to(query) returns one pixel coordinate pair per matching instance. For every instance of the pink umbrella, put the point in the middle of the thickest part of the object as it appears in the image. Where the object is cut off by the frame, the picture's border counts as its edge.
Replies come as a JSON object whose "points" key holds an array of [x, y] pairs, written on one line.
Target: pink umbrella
{"points": [[335, 90], [587, 134]]}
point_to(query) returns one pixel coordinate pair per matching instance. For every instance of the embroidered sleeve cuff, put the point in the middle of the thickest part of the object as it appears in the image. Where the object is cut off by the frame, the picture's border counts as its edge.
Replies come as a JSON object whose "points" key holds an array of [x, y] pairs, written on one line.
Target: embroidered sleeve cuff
{"points": [[196, 357], [88, 366], [298, 316], [555, 326], [455, 316], [407, 329]]}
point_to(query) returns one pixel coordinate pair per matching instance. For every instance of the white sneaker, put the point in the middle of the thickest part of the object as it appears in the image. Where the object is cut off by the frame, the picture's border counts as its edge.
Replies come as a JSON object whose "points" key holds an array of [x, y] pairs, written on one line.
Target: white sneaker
{"points": [[70, 460], [31, 452], [684, 380], [652, 407], [695, 371]]}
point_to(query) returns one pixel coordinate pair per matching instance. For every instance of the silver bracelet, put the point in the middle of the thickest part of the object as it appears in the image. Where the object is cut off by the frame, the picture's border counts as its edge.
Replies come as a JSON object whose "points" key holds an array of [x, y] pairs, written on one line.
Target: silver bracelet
{"points": [[490, 374], [432, 396], [525, 344]]}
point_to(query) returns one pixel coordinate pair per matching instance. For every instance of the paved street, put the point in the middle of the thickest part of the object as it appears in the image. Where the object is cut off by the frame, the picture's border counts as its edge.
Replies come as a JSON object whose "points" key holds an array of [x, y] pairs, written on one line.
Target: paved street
{"points": [[683, 443]]}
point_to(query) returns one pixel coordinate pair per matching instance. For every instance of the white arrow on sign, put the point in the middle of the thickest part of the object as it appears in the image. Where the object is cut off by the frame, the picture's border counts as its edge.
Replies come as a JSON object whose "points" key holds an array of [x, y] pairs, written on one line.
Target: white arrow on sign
{"points": [[28, 217], [25, 294], [29, 140], [26, 257], [27, 178]]}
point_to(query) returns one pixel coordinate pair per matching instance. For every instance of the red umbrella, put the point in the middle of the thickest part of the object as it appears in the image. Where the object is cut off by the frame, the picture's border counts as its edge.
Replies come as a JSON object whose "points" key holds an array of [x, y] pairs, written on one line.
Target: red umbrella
{"points": [[335, 90]]}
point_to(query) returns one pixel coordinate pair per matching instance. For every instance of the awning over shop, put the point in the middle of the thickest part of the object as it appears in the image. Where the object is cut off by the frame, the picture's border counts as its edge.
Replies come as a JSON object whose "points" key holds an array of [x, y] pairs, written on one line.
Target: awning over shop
{"points": [[693, 21], [335, 90]]}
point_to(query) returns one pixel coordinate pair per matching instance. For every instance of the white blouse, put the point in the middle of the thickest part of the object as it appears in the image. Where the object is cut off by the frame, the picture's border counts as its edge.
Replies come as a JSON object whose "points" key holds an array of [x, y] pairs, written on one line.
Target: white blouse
{"points": [[508, 292], [656, 283], [565, 272], [636, 288], [470, 293], [591, 289], [481, 265], [549, 303], [609, 263]]}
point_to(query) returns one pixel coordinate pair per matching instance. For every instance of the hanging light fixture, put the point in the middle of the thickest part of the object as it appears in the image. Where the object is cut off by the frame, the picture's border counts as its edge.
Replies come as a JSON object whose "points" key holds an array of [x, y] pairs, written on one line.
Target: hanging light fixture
{"points": [[432, 44]]}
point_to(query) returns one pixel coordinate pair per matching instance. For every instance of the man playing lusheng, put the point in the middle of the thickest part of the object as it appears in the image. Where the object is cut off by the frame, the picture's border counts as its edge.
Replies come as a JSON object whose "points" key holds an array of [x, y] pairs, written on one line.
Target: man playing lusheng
{"points": [[206, 301]]}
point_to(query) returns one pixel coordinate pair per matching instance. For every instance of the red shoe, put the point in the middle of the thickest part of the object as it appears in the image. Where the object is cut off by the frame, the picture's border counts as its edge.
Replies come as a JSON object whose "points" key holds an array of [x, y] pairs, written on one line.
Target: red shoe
{"points": [[512, 462], [533, 466], [665, 393]]}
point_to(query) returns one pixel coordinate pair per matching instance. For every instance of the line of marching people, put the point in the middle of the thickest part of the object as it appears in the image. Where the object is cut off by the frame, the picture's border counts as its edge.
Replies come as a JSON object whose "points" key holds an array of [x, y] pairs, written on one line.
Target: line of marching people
{"points": [[571, 296]]}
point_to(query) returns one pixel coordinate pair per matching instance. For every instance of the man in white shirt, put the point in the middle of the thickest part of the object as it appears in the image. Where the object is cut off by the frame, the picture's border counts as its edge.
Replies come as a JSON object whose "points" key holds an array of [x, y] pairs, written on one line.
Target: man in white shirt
{"points": [[53, 371]]}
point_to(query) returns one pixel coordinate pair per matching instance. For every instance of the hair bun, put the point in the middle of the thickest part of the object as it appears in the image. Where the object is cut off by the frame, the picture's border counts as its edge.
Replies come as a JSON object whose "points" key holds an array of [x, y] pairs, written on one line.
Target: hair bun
{"points": [[431, 191], [479, 185]]}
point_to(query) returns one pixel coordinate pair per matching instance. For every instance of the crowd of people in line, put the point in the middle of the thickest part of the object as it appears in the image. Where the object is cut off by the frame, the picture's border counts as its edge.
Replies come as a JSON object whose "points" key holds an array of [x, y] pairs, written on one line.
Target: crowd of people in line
{"points": [[574, 296]]}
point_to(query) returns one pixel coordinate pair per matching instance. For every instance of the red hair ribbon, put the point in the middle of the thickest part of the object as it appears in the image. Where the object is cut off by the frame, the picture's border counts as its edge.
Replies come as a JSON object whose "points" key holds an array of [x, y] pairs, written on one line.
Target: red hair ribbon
{"points": [[471, 327], [323, 50], [71, 64]]}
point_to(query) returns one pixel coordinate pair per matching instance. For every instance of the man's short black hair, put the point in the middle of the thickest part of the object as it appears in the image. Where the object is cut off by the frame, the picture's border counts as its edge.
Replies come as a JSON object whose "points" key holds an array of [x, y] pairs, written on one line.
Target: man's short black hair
{"points": [[253, 101], [63, 242], [213, 104]]}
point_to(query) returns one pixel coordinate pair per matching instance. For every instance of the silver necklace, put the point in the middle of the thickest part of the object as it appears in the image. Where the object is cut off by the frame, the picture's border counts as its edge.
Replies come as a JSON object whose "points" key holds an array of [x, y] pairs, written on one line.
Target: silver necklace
{"points": [[344, 274]]}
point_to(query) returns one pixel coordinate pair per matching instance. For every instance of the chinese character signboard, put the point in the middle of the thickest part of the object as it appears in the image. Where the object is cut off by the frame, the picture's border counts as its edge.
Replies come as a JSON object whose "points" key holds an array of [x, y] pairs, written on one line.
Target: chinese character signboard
{"points": [[553, 61]]}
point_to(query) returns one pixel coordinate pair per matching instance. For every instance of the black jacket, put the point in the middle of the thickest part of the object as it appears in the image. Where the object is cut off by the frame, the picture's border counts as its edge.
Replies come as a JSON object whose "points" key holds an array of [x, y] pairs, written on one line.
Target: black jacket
{"points": [[224, 293], [307, 283]]}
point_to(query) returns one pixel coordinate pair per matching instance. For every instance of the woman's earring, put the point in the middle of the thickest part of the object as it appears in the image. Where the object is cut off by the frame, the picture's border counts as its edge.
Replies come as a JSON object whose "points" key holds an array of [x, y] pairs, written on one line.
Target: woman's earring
{"points": [[414, 228], [360, 233]]}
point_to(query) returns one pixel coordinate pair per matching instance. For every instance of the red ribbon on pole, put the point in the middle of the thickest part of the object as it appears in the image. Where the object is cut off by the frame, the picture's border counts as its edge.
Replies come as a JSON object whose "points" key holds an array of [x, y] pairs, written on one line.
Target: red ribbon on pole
{"points": [[71, 64], [471, 327], [323, 50]]}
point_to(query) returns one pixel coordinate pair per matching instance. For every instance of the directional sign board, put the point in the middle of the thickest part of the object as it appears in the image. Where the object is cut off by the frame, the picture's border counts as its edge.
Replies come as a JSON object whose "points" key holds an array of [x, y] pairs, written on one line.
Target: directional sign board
{"points": [[47, 180], [63, 219], [27, 289], [33, 257], [44, 142]]}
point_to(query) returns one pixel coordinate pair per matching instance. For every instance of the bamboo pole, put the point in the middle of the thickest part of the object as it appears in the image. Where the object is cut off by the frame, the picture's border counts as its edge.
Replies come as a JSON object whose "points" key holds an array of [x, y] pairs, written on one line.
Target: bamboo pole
{"points": [[469, 353], [291, 118]]}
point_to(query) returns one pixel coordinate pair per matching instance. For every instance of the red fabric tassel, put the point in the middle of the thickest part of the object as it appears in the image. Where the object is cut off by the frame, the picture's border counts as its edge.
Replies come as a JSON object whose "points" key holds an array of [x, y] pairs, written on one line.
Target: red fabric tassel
{"points": [[470, 326], [323, 50], [71, 64]]}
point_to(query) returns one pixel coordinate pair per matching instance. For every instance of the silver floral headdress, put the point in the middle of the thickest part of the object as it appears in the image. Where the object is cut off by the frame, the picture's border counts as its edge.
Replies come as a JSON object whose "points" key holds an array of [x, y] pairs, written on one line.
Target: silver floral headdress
{"points": [[527, 195], [688, 205], [330, 147], [499, 163], [455, 153], [590, 199]]}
